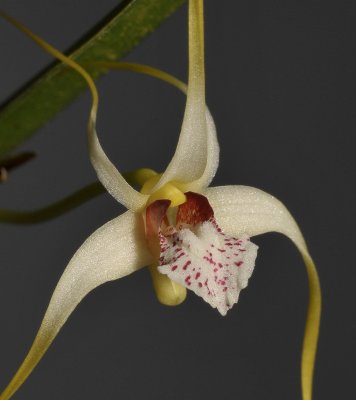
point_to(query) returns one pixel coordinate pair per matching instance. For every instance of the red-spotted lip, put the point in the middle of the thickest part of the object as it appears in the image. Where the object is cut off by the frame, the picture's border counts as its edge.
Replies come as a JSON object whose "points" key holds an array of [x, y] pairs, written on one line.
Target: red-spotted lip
{"points": [[195, 210], [195, 253]]}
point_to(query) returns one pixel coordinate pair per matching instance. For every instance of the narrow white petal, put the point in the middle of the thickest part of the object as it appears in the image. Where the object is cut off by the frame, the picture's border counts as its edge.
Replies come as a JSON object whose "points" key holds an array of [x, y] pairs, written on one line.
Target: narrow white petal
{"points": [[246, 210], [189, 161], [108, 175], [211, 166], [115, 250], [242, 209], [212, 158]]}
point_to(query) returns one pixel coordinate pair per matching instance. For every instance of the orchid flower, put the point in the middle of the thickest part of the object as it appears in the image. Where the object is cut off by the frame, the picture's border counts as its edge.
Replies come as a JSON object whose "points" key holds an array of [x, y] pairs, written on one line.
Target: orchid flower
{"points": [[191, 235]]}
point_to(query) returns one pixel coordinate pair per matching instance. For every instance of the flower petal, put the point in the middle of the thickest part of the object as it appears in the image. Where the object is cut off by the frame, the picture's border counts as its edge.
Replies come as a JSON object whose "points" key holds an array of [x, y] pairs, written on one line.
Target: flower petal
{"points": [[243, 209], [107, 173], [115, 250], [190, 159], [247, 210], [212, 156]]}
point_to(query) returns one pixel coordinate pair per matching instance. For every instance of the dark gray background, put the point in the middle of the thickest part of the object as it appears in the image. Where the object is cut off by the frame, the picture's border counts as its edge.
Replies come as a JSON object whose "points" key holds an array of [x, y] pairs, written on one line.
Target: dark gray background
{"points": [[279, 84]]}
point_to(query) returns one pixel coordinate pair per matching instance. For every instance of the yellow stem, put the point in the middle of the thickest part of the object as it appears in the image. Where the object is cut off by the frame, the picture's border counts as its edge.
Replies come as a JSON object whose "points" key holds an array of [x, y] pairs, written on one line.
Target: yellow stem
{"points": [[141, 69], [312, 326], [196, 48]]}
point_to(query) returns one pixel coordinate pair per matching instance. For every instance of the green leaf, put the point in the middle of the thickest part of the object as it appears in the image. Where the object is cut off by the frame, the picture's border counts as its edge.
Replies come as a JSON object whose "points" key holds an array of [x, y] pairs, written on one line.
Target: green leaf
{"points": [[56, 87]]}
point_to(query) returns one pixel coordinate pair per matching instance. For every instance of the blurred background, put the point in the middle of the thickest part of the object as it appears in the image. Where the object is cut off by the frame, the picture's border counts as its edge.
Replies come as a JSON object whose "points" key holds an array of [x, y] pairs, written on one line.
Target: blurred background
{"points": [[281, 89]]}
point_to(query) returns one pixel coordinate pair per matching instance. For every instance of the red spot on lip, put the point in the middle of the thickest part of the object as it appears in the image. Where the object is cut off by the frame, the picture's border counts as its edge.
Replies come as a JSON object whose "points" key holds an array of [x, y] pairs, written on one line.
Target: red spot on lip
{"points": [[210, 260], [179, 256], [200, 284], [239, 263], [197, 275], [222, 250], [185, 266], [174, 267], [187, 280]]}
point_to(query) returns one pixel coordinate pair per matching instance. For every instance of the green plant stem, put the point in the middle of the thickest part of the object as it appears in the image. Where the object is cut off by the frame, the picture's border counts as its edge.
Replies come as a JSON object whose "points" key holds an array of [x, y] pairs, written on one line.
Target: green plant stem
{"points": [[46, 95]]}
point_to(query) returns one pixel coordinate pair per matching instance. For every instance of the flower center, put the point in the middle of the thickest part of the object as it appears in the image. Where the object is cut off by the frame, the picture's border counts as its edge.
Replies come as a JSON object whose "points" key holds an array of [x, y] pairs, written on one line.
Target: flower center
{"points": [[169, 191]]}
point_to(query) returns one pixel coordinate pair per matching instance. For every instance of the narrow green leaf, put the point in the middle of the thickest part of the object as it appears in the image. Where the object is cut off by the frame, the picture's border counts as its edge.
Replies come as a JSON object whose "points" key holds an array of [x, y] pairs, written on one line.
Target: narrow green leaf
{"points": [[28, 110]]}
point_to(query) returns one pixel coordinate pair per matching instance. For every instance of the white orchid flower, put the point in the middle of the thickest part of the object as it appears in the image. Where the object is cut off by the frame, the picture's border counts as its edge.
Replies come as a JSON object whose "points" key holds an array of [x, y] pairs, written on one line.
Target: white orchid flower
{"points": [[193, 236]]}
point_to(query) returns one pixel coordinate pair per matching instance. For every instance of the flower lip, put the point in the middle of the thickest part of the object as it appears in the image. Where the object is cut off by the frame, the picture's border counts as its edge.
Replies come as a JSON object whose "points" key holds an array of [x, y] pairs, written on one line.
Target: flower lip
{"points": [[196, 254], [155, 214], [194, 211]]}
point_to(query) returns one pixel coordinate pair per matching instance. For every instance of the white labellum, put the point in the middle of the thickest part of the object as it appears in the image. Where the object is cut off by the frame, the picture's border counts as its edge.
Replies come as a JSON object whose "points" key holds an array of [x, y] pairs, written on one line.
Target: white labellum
{"points": [[213, 265]]}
